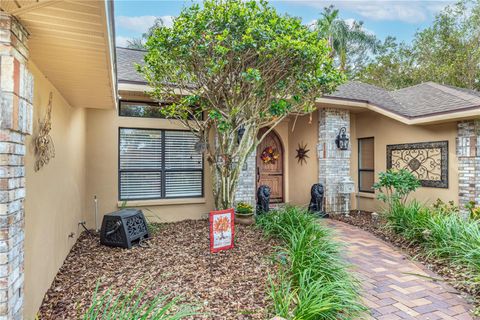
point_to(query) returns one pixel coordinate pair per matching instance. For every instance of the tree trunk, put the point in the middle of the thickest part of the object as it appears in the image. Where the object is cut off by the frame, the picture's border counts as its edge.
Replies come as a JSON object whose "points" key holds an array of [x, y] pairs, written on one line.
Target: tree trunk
{"points": [[230, 158]]}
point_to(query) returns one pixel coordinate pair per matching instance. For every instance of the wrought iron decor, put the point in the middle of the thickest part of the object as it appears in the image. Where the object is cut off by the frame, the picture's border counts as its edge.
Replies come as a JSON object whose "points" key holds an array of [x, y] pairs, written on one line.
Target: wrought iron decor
{"points": [[428, 161], [44, 147], [302, 153]]}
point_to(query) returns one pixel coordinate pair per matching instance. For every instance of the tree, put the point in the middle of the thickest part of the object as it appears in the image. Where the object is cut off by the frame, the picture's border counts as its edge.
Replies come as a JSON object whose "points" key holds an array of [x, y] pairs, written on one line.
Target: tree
{"points": [[447, 52], [350, 42], [139, 43], [240, 65], [393, 68]]}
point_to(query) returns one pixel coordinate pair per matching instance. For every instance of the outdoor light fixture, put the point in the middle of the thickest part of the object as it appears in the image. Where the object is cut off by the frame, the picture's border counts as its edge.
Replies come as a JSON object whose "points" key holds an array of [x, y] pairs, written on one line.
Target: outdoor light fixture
{"points": [[342, 140], [240, 133]]}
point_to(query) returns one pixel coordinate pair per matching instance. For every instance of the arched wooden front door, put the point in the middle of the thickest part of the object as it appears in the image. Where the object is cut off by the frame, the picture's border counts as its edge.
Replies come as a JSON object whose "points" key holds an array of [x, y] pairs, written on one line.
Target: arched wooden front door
{"points": [[270, 171]]}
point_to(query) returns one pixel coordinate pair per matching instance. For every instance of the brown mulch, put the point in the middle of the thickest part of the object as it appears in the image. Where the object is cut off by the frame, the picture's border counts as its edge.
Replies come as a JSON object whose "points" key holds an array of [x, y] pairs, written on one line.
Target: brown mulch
{"points": [[227, 285], [456, 276]]}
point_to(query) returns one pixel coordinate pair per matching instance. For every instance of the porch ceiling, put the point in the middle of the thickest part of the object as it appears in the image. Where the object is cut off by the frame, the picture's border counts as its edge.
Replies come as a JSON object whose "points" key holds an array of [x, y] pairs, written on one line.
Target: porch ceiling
{"points": [[71, 41]]}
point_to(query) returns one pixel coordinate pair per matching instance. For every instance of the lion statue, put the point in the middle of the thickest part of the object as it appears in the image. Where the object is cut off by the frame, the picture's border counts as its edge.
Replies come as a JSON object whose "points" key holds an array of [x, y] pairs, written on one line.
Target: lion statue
{"points": [[263, 199], [316, 202]]}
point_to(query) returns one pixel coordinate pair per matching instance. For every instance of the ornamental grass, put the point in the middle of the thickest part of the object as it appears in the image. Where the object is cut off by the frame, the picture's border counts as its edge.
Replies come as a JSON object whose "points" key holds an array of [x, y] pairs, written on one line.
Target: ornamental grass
{"points": [[313, 281], [444, 234]]}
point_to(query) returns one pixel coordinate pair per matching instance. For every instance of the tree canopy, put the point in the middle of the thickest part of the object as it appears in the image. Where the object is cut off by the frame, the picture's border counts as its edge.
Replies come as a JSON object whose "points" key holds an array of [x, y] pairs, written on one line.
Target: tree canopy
{"points": [[350, 43], [447, 52], [231, 64]]}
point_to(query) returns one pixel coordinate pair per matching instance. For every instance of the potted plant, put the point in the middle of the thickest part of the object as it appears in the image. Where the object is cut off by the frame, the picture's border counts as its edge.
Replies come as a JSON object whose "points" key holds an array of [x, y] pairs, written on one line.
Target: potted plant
{"points": [[244, 213]]}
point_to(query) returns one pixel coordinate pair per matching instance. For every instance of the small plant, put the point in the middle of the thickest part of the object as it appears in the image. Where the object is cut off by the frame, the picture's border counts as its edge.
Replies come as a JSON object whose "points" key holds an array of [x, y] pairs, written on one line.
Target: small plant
{"points": [[473, 210], [440, 207], [136, 305], [243, 208], [395, 186]]}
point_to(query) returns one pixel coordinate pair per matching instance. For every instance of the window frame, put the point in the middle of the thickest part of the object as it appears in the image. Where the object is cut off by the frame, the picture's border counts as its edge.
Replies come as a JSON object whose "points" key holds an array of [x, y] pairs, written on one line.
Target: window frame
{"points": [[360, 169], [162, 171], [150, 103]]}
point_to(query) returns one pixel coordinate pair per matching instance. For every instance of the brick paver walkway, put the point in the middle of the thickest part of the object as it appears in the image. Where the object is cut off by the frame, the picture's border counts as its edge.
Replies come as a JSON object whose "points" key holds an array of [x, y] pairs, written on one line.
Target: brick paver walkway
{"points": [[393, 286]]}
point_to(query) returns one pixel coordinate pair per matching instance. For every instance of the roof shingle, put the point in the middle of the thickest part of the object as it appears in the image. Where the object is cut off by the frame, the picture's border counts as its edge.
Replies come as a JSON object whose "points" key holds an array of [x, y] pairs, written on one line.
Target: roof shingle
{"points": [[126, 61], [421, 100]]}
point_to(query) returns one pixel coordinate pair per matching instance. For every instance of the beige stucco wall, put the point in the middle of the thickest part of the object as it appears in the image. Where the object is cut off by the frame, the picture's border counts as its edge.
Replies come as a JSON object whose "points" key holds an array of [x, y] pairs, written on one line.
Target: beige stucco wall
{"points": [[102, 171], [54, 202], [388, 131], [303, 130]]}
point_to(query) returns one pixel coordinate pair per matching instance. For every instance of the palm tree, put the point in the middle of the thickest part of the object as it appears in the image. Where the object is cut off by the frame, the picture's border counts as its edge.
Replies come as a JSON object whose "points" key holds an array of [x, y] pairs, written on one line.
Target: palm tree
{"points": [[344, 38]]}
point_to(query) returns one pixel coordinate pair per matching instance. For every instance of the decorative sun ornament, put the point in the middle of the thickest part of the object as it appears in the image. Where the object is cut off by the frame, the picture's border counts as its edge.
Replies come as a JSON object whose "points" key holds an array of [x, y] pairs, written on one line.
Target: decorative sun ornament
{"points": [[302, 153]]}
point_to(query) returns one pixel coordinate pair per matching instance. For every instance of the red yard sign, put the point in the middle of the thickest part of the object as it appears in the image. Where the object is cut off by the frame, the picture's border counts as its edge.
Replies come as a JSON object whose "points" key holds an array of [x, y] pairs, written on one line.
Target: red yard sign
{"points": [[221, 230]]}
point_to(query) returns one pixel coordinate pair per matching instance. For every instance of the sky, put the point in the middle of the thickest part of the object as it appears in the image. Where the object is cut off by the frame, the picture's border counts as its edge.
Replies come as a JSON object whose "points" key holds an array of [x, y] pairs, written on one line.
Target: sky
{"points": [[400, 19]]}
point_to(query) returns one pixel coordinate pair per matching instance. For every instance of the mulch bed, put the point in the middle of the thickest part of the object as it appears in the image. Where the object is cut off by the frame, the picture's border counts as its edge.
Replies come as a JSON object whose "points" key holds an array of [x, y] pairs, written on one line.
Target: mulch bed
{"points": [[227, 285], [456, 276]]}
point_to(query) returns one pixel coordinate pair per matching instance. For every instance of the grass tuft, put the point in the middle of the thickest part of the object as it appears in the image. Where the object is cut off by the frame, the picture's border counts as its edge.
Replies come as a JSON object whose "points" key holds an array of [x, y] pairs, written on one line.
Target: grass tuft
{"points": [[135, 305], [444, 235], [313, 282]]}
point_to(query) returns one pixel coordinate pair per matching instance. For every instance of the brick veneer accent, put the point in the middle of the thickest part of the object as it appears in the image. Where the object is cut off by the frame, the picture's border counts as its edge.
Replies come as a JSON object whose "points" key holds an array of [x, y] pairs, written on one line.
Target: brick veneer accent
{"points": [[16, 94], [468, 153], [333, 163], [246, 183]]}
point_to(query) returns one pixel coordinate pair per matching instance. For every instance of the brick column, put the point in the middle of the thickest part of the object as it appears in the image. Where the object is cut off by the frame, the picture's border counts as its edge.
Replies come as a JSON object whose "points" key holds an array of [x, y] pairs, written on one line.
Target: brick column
{"points": [[333, 163], [468, 153], [16, 93], [246, 183]]}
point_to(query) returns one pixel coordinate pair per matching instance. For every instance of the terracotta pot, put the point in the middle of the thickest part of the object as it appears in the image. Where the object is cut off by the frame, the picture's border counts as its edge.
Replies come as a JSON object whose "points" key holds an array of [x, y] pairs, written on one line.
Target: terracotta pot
{"points": [[245, 218]]}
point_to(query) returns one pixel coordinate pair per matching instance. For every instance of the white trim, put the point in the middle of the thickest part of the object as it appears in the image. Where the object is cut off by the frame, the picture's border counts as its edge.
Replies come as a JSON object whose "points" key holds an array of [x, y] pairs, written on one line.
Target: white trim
{"points": [[161, 202]]}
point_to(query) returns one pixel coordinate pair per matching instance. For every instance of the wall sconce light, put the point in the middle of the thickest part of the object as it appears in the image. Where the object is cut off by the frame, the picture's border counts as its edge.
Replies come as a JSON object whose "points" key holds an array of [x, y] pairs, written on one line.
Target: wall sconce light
{"points": [[342, 140], [240, 133]]}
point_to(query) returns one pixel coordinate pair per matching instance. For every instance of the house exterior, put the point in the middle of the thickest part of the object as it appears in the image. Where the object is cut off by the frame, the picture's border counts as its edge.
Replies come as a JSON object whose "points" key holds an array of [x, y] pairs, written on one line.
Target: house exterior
{"points": [[112, 149]]}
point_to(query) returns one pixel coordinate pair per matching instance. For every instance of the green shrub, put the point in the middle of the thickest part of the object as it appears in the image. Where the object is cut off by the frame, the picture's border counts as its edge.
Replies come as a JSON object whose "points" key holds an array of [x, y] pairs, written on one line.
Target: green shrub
{"points": [[444, 235], [135, 305], [410, 220], [313, 281], [395, 186]]}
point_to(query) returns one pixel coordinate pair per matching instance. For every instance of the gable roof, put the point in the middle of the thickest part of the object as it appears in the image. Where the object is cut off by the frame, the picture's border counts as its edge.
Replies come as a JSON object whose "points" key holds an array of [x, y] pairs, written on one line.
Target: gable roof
{"points": [[423, 100]]}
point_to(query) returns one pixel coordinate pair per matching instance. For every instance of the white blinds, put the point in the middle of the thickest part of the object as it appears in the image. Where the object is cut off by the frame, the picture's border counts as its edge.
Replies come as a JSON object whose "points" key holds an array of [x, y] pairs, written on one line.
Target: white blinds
{"points": [[180, 152], [158, 164], [140, 149]]}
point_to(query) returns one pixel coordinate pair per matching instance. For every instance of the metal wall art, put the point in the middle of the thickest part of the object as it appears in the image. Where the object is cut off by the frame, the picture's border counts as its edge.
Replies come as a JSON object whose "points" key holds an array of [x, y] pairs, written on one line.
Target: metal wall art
{"points": [[428, 161], [302, 153], [44, 147]]}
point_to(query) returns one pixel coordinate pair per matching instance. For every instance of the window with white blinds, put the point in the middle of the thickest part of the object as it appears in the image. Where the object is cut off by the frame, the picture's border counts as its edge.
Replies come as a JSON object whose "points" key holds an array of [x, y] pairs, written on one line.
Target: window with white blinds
{"points": [[157, 164]]}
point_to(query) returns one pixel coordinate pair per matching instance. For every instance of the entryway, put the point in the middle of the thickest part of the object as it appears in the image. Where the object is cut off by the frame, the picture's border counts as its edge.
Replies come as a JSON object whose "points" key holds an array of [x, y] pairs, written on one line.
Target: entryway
{"points": [[270, 163], [395, 287]]}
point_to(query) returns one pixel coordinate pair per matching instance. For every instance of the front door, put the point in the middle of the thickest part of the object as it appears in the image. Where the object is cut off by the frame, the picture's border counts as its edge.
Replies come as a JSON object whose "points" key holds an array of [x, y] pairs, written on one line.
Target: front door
{"points": [[270, 165]]}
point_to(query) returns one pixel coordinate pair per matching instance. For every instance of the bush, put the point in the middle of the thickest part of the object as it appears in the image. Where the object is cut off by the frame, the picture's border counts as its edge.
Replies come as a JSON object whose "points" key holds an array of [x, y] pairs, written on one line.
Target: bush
{"points": [[135, 305], [313, 281], [444, 234], [395, 186]]}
